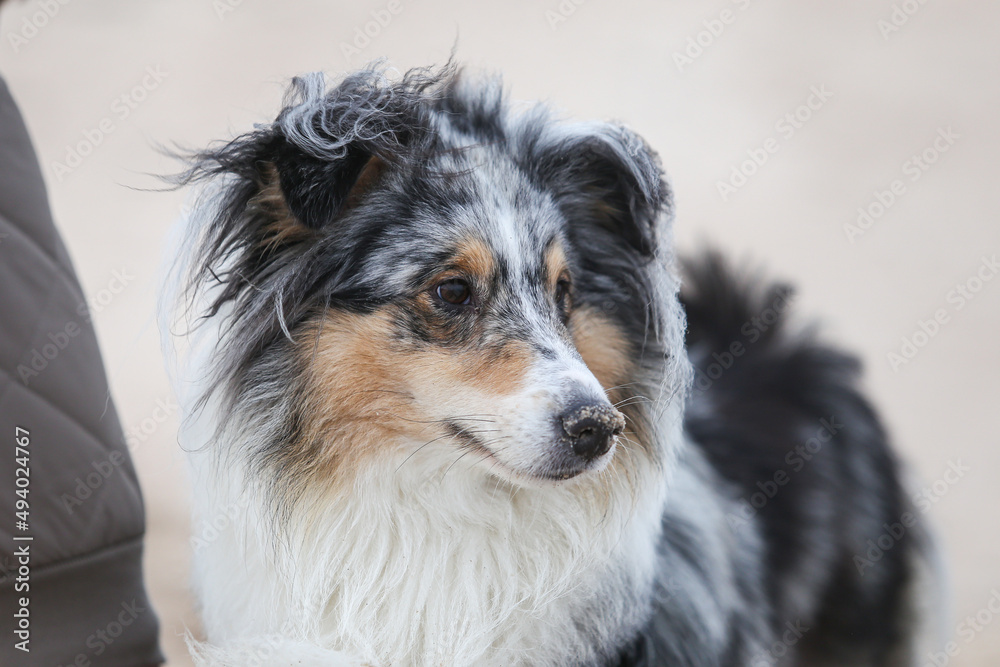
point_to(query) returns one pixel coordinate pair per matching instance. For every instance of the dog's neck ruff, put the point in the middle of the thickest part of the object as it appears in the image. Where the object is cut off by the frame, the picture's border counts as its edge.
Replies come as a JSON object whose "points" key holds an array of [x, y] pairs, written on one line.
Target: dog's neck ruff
{"points": [[433, 561]]}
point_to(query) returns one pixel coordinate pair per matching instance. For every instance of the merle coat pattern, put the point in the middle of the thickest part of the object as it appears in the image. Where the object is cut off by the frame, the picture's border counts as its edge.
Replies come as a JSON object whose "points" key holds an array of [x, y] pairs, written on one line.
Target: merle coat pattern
{"points": [[394, 292]]}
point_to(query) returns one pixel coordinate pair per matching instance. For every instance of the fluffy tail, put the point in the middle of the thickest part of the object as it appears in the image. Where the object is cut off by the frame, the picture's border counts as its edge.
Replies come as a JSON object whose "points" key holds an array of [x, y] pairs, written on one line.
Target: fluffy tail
{"points": [[780, 416]]}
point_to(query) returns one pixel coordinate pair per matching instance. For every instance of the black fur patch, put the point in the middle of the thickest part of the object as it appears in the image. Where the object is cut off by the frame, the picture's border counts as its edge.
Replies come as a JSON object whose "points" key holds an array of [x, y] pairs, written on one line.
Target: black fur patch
{"points": [[752, 422]]}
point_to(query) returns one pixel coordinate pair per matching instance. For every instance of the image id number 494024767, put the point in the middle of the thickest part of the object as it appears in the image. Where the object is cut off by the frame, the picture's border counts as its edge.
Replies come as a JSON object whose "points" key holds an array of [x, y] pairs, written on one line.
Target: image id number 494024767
{"points": [[22, 540]]}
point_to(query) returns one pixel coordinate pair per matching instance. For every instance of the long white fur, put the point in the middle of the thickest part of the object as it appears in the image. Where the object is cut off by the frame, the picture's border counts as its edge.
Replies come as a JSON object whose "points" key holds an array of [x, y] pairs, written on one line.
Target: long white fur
{"points": [[427, 562], [423, 560]]}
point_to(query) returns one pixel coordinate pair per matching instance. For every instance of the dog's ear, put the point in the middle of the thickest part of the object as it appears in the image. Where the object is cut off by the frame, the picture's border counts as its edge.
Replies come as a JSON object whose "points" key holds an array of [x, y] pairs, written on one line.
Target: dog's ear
{"points": [[607, 180], [319, 190]]}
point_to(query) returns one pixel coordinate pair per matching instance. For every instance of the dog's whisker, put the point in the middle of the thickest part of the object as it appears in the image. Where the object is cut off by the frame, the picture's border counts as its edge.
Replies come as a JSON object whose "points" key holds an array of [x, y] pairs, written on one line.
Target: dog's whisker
{"points": [[608, 390], [632, 399], [461, 456], [414, 452]]}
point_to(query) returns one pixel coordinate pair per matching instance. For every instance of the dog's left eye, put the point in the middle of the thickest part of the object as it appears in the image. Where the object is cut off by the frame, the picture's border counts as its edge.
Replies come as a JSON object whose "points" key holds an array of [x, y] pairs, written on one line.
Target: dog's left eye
{"points": [[455, 292]]}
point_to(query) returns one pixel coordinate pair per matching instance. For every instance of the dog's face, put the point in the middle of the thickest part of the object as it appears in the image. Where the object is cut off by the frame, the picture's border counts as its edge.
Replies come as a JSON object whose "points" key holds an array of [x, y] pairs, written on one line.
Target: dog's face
{"points": [[472, 283], [480, 341]]}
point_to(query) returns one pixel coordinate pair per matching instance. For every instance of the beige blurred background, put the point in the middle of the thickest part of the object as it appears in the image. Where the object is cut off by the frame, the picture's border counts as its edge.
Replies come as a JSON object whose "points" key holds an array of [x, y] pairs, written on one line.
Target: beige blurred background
{"points": [[118, 76]]}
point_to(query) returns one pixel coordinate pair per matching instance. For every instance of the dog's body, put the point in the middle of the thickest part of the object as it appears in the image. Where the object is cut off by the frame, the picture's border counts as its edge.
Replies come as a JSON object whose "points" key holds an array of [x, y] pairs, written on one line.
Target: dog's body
{"points": [[436, 412]]}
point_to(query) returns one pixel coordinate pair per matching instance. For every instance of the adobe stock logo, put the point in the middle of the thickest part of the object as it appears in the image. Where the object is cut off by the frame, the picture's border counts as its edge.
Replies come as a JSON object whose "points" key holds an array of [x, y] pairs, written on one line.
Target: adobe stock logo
{"points": [[900, 16], [562, 12], [958, 297], [894, 532], [40, 357], [751, 331], [714, 28], [786, 128], [32, 24], [967, 630], [365, 34], [108, 633], [121, 108], [796, 460], [913, 169], [108, 465]]}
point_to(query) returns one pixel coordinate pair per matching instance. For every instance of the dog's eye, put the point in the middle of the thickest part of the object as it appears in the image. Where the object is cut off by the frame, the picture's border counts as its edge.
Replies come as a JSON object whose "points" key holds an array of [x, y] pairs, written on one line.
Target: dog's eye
{"points": [[562, 295], [455, 292]]}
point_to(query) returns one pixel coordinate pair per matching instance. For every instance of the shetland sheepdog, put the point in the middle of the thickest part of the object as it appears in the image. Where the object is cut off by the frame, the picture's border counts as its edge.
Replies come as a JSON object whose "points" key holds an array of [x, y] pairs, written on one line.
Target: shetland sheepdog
{"points": [[447, 403]]}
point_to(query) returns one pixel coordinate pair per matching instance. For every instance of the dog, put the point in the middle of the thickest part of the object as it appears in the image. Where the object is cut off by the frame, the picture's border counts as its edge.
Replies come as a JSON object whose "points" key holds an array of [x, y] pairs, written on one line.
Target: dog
{"points": [[446, 404]]}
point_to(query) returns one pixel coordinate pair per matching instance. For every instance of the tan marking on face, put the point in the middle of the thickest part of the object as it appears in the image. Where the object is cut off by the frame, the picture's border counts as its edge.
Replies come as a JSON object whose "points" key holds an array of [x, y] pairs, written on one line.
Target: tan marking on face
{"points": [[497, 372], [366, 387], [610, 357], [474, 259], [603, 346], [353, 401]]}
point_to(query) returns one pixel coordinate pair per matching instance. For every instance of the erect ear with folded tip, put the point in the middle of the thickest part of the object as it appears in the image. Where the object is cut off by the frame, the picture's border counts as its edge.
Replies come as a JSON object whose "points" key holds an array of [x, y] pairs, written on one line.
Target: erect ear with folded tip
{"points": [[610, 180]]}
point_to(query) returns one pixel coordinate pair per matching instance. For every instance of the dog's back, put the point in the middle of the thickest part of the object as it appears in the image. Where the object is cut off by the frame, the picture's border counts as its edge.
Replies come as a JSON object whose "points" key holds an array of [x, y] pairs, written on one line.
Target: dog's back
{"points": [[780, 419]]}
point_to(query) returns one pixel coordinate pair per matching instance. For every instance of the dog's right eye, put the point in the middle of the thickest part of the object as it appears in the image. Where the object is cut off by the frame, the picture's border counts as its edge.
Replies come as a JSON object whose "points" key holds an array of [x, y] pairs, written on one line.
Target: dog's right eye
{"points": [[455, 292]]}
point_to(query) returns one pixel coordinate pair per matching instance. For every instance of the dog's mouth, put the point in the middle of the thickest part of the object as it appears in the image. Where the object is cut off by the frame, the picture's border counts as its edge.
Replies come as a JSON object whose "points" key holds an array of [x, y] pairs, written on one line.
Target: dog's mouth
{"points": [[555, 470], [561, 476]]}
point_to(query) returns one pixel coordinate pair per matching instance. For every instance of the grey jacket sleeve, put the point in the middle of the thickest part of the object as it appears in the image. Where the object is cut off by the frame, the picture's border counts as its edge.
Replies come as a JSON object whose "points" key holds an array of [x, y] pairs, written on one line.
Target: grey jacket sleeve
{"points": [[71, 514]]}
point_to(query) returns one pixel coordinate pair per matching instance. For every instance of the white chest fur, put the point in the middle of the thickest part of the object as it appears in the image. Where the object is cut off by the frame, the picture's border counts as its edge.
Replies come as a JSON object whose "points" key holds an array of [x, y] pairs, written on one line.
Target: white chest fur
{"points": [[432, 562]]}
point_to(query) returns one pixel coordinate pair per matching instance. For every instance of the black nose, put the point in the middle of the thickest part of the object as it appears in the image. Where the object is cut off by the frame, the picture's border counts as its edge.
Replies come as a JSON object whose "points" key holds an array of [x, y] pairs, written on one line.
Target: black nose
{"points": [[591, 428]]}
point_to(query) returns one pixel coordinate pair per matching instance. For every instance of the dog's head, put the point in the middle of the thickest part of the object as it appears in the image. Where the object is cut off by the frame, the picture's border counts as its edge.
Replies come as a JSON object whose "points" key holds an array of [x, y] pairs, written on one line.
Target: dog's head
{"points": [[410, 267]]}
